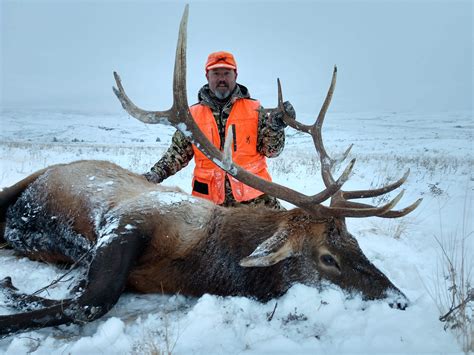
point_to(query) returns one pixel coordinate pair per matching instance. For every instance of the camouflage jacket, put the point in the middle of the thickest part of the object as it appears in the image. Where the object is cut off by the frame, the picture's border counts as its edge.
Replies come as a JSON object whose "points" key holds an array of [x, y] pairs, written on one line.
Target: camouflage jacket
{"points": [[270, 142]]}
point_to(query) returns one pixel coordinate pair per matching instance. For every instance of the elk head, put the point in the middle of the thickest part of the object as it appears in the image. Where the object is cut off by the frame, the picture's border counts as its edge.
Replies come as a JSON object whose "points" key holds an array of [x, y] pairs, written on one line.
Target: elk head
{"points": [[314, 232], [315, 249]]}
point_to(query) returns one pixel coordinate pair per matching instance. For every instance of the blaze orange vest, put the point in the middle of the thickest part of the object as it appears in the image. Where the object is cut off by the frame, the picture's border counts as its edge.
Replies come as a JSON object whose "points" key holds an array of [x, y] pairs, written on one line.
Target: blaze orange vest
{"points": [[209, 179]]}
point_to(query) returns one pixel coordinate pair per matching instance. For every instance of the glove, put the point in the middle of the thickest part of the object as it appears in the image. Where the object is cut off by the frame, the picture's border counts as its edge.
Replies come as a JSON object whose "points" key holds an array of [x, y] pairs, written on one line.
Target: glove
{"points": [[275, 121], [153, 177]]}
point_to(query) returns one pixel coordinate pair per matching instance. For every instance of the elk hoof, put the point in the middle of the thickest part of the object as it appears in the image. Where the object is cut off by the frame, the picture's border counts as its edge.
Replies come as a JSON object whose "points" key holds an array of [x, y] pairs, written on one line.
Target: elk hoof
{"points": [[396, 299], [7, 283], [400, 304]]}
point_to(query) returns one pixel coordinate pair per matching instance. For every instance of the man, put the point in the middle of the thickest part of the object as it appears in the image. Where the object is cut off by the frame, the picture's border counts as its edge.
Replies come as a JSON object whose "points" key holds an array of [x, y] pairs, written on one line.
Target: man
{"points": [[224, 103]]}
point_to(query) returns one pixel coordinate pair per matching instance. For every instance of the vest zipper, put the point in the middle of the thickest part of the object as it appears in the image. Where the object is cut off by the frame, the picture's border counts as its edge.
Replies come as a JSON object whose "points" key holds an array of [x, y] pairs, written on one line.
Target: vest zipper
{"points": [[235, 138], [221, 128]]}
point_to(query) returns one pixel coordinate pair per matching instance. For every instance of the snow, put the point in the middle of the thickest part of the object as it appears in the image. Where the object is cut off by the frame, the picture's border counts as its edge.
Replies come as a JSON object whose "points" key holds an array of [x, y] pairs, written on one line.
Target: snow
{"points": [[170, 197], [107, 233], [436, 147]]}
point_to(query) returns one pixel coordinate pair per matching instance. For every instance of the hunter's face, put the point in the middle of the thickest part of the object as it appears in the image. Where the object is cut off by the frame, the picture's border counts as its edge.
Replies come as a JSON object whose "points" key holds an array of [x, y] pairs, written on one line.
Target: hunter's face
{"points": [[221, 81]]}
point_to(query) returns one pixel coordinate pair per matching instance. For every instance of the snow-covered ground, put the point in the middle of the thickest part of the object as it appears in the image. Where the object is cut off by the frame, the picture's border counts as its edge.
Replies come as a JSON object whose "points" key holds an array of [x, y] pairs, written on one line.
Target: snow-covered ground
{"points": [[438, 150]]}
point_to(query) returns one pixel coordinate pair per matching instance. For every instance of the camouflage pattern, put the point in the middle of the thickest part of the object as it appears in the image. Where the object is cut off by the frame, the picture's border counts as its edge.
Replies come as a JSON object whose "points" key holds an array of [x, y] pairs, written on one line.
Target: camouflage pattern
{"points": [[270, 143]]}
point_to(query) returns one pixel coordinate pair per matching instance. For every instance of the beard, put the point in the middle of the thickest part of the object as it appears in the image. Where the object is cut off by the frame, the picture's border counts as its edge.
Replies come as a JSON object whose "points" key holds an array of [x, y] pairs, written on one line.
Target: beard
{"points": [[222, 95], [223, 90]]}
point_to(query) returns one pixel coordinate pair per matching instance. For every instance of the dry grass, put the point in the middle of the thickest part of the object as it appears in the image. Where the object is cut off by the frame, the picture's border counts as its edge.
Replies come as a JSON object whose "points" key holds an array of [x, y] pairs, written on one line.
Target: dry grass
{"points": [[453, 289], [157, 342], [161, 341]]}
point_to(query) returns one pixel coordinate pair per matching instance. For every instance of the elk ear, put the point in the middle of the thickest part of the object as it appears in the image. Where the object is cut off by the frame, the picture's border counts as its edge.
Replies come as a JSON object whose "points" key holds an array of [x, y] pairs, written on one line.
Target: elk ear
{"points": [[276, 248]]}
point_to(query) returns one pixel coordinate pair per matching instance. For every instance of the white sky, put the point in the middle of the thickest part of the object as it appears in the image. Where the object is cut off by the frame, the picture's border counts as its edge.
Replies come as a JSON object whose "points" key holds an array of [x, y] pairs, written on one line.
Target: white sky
{"points": [[391, 55]]}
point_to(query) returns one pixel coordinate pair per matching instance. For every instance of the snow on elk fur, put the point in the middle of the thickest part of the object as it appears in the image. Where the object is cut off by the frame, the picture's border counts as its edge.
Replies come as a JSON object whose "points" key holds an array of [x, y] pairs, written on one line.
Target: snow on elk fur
{"points": [[129, 234]]}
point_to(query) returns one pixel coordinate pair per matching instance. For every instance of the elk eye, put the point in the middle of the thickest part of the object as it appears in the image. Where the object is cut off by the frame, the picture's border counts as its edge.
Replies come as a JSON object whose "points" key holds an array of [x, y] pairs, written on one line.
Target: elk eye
{"points": [[328, 260]]}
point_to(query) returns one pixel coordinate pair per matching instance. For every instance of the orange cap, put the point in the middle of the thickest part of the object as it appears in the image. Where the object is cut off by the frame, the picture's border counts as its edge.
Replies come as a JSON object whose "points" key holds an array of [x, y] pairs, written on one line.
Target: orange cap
{"points": [[220, 60]]}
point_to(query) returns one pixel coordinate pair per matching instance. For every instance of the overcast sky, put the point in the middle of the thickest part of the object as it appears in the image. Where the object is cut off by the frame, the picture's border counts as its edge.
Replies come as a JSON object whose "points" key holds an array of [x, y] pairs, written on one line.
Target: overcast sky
{"points": [[391, 55]]}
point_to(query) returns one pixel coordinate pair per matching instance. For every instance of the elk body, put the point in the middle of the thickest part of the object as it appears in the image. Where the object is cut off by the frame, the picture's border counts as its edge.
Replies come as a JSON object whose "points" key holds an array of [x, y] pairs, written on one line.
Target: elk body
{"points": [[127, 233]]}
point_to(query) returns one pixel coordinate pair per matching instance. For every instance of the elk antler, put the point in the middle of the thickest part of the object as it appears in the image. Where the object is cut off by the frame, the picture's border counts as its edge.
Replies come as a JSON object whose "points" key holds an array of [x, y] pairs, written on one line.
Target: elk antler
{"points": [[340, 198], [180, 117]]}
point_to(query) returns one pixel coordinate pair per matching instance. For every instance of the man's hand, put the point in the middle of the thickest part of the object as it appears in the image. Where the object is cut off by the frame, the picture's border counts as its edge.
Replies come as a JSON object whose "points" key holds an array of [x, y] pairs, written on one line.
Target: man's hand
{"points": [[275, 121], [153, 177]]}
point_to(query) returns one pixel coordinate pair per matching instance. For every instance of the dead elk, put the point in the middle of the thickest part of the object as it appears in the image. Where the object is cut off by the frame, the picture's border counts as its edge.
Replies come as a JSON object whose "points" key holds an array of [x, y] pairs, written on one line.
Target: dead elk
{"points": [[127, 233]]}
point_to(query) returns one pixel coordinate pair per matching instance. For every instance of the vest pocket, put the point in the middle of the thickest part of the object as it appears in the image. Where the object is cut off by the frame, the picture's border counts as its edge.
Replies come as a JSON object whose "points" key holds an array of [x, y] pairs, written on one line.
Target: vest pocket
{"points": [[201, 187], [209, 184]]}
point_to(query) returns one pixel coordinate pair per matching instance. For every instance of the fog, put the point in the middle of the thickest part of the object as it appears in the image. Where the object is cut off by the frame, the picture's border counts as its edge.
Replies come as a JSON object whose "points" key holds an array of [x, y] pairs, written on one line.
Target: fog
{"points": [[391, 55]]}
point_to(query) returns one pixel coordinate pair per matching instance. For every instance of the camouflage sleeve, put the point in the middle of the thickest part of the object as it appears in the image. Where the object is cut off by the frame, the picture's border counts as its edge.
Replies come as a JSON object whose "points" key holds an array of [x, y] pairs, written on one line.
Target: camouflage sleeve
{"points": [[270, 142], [178, 155]]}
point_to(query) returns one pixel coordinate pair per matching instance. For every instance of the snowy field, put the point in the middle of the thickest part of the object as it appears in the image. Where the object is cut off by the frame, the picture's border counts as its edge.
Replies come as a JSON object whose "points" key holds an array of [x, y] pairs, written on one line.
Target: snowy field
{"points": [[438, 150]]}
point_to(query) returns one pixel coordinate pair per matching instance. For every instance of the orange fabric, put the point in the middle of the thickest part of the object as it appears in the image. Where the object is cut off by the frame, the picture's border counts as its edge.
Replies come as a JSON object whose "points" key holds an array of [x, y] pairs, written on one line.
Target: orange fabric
{"points": [[220, 60], [244, 117]]}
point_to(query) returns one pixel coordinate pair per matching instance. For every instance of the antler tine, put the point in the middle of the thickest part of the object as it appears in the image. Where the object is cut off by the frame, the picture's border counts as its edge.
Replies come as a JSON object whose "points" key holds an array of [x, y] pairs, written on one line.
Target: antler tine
{"points": [[290, 121], [327, 100], [134, 111], [348, 195], [402, 212], [170, 116], [329, 192], [314, 130], [352, 209], [343, 155], [228, 149], [326, 162], [182, 118], [180, 99], [178, 115], [357, 206]]}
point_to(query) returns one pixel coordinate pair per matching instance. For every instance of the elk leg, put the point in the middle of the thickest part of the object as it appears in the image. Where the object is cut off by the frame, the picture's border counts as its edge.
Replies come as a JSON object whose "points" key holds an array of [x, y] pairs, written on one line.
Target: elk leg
{"points": [[32, 230], [22, 301], [9, 195], [105, 281], [108, 274]]}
